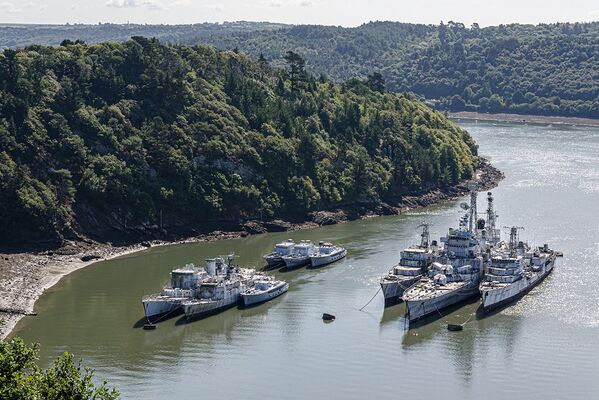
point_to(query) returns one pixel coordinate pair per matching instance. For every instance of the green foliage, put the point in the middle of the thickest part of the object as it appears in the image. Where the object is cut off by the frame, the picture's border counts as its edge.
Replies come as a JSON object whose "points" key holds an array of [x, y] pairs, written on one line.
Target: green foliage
{"points": [[143, 133], [21, 378], [547, 69]]}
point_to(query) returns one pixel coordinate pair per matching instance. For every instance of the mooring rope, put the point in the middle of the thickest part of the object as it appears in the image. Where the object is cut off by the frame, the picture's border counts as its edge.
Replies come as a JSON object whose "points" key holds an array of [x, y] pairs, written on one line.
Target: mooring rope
{"points": [[369, 301]]}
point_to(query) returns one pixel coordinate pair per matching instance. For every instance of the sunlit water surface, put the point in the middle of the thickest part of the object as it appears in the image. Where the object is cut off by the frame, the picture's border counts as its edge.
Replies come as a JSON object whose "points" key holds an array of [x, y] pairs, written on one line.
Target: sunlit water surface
{"points": [[545, 346]]}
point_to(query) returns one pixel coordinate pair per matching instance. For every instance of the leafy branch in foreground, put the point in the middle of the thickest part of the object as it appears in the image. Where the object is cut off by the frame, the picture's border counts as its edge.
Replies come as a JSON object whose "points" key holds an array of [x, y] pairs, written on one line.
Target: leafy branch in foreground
{"points": [[21, 378]]}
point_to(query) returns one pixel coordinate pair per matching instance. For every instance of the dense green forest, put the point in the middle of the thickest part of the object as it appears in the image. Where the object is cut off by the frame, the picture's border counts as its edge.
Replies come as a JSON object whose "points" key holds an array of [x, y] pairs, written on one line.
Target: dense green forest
{"points": [[544, 69], [547, 69], [140, 133]]}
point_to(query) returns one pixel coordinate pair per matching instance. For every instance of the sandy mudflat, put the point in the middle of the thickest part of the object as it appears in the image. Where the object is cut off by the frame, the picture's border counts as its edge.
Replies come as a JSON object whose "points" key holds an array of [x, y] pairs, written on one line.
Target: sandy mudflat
{"points": [[534, 119]]}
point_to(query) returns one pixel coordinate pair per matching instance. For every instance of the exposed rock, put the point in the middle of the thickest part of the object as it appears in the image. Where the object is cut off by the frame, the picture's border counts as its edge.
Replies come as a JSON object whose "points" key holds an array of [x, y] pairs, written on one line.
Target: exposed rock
{"points": [[253, 227], [328, 217], [277, 225]]}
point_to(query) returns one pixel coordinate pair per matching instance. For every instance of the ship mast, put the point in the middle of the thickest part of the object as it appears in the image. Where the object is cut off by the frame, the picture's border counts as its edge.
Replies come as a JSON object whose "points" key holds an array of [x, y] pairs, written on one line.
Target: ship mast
{"points": [[424, 236], [473, 214], [491, 219], [514, 239]]}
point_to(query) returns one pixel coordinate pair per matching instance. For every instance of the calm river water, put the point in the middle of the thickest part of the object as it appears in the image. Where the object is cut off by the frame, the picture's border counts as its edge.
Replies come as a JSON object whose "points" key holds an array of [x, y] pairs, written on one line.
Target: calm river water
{"points": [[545, 346]]}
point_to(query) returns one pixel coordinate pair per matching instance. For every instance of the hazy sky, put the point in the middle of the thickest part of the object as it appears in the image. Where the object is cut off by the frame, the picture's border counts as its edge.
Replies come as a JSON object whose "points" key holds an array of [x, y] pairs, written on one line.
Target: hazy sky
{"points": [[328, 12]]}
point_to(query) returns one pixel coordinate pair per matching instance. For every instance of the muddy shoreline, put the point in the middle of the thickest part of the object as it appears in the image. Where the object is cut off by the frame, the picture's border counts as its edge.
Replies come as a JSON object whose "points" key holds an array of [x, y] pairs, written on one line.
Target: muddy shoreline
{"points": [[532, 119], [26, 274]]}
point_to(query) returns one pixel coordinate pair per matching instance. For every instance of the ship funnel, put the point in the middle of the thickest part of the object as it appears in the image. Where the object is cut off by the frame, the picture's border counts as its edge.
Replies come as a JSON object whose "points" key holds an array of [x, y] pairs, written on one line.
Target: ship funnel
{"points": [[210, 266]]}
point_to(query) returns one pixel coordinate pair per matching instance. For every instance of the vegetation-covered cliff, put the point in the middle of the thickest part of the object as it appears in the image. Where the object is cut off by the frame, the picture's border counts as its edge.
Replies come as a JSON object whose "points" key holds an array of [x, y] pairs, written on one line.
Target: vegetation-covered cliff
{"points": [[139, 133]]}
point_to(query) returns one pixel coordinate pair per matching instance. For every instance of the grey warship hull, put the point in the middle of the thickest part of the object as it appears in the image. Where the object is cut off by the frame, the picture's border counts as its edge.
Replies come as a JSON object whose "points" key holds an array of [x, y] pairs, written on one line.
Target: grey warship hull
{"points": [[393, 290], [420, 308], [497, 298]]}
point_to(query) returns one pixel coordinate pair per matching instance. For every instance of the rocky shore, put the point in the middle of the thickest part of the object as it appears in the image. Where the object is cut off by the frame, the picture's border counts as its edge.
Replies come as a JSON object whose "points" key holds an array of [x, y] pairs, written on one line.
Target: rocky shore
{"points": [[25, 275]]}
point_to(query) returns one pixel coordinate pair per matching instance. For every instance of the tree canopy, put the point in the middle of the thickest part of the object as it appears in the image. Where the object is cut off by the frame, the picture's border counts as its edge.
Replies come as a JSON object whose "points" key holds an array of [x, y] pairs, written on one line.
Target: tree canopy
{"points": [[21, 378], [140, 133]]}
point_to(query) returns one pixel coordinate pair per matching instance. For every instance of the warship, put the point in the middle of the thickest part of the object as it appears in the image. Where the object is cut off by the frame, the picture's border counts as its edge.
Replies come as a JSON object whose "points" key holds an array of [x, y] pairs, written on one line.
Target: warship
{"points": [[190, 284], [275, 258], [301, 255], [220, 290], [412, 265], [514, 271], [182, 286], [327, 253], [456, 273], [264, 289]]}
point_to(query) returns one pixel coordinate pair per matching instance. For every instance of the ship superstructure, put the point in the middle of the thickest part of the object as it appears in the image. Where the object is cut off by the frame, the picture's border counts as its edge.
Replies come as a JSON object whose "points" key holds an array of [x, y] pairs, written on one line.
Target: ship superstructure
{"points": [[413, 263]]}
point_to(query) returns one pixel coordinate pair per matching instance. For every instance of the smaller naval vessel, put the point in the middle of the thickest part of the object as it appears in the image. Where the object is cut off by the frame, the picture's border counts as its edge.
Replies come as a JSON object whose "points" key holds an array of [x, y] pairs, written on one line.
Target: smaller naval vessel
{"points": [[220, 290], [275, 258], [412, 265], [301, 255], [327, 253], [514, 271], [182, 286], [265, 288]]}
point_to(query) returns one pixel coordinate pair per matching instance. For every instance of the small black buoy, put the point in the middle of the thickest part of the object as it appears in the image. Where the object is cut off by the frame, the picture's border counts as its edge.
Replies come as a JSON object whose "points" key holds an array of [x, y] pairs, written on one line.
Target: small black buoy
{"points": [[149, 327], [454, 327], [328, 317]]}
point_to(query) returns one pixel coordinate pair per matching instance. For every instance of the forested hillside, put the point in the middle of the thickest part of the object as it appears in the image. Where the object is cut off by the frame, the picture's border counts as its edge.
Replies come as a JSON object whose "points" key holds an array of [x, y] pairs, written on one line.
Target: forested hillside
{"points": [[544, 69], [142, 134]]}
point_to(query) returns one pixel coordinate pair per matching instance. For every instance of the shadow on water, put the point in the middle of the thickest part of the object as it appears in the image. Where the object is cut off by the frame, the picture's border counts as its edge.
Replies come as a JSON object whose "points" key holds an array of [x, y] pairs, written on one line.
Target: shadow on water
{"points": [[393, 314], [143, 320], [445, 313], [278, 266]]}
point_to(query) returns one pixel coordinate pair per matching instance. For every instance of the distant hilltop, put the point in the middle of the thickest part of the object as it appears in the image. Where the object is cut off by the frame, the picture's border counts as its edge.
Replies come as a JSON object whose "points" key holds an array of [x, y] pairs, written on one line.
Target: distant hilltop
{"points": [[546, 69]]}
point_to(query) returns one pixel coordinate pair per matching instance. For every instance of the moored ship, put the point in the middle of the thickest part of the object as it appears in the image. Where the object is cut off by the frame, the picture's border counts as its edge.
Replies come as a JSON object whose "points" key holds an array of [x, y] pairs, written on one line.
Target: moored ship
{"points": [[514, 272], [219, 290], [412, 265], [301, 255], [327, 253], [264, 289], [182, 286], [455, 275], [275, 258]]}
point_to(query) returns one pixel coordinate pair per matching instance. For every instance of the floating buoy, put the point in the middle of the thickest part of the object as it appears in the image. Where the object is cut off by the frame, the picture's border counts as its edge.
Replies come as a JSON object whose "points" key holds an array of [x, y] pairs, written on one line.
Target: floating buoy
{"points": [[149, 327], [454, 327], [328, 317]]}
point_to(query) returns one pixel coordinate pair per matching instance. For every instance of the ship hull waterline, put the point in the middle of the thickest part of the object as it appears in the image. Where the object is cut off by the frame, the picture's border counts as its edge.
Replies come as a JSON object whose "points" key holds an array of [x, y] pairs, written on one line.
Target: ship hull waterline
{"points": [[323, 261], [198, 315], [255, 300], [417, 310], [507, 301], [394, 290]]}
